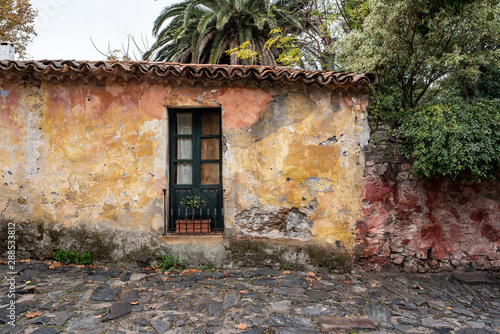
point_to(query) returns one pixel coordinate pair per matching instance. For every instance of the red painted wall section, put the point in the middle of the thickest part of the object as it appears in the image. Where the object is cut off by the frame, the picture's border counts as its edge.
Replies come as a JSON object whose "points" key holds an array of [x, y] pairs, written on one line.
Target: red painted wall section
{"points": [[426, 225]]}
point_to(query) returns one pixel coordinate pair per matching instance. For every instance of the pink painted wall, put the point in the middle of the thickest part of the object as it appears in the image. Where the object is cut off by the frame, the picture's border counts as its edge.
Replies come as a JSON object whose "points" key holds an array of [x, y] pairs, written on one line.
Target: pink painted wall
{"points": [[426, 225]]}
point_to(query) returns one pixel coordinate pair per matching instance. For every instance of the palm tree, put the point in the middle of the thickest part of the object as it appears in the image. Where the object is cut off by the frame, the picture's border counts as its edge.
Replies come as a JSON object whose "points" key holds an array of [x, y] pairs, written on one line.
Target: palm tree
{"points": [[201, 31]]}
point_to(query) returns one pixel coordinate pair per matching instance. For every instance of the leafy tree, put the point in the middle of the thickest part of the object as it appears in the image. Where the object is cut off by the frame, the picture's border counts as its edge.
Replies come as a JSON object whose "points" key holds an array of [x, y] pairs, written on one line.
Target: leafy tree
{"points": [[421, 47], [200, 31], [17, 24], [437, 61]]}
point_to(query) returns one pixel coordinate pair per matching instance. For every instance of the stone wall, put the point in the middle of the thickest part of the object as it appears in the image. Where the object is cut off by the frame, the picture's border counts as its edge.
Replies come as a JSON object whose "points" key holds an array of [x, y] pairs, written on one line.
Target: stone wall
{"points": [[426, 225]]}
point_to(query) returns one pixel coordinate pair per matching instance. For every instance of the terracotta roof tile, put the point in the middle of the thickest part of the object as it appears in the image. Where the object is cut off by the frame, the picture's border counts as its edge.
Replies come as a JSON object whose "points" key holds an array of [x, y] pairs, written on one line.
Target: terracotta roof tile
{"points": [[61, 70]]}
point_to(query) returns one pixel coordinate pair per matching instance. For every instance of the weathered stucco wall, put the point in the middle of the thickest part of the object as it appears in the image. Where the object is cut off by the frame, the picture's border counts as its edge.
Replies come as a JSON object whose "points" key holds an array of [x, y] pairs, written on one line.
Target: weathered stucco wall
{"points": [[426, 225], [293, 168], [94, 156], [89, 154]]}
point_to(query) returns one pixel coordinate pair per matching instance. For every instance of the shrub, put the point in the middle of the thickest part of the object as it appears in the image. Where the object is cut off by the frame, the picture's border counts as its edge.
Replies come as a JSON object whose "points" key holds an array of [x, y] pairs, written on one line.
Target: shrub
{"points": [[72, 257], [454, 139], [170, 262]]}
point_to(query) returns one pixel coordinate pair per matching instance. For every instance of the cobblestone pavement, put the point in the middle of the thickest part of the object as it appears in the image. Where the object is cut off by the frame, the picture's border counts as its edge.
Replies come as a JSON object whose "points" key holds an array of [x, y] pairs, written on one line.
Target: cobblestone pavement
{"points": [[76, 299]]}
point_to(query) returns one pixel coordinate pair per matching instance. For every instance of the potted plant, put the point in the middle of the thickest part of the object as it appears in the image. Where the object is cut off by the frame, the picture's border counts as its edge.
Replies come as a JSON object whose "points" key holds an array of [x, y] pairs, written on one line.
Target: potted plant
{"points": [[197, 225], [192, 202]]}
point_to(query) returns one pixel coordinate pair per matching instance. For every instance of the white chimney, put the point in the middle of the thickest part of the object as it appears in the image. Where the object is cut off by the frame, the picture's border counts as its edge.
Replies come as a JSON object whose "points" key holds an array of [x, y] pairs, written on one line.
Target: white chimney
{"points": [[7, 51]]}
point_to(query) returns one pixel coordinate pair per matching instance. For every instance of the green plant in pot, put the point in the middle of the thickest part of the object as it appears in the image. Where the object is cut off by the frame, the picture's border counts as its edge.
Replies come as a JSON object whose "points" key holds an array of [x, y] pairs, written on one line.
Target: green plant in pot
{"points": [[192, 202]]}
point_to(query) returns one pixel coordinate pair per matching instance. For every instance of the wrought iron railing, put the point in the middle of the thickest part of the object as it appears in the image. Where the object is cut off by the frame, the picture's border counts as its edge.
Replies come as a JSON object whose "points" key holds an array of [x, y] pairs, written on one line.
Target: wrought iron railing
{"points": [[193, 212]]}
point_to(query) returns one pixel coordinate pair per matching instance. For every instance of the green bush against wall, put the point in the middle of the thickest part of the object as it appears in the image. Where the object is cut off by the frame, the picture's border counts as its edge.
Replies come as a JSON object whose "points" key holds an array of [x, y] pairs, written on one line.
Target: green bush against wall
{"points": [[454, 139]]}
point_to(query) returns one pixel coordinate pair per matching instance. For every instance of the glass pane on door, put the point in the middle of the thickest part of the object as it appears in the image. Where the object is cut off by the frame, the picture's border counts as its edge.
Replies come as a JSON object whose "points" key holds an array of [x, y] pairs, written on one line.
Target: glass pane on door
{"points": [[210, 148], [210, 173], [184, 123], [184, 173], [184, 148], [210, 123]]}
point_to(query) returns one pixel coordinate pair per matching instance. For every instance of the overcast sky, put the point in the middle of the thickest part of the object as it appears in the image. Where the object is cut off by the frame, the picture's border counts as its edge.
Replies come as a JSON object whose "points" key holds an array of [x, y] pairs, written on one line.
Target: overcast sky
{"points": [[64, 27]]}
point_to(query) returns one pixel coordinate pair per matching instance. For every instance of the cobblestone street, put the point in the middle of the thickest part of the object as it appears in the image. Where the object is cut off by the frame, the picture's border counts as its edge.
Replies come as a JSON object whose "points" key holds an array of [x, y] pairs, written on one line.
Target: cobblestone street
{"points": [[78, 299]]}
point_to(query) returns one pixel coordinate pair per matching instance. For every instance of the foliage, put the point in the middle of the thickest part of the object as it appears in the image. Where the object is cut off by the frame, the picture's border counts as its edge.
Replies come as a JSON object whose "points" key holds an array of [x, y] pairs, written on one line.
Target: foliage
{"points": [[290, 55], [72, 257], [200, 31], [193, 202], [385, 109], [169, 262], [419, 48], [17, 24], [324, 23], [243, 52], [453, 139], [488, 83], [353, 12], [438, 64]]}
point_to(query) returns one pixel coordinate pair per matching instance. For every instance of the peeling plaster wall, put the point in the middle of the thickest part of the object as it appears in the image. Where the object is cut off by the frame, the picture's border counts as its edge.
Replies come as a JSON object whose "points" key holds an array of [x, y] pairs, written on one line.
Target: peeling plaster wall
{"points": [[95, 155], [293, 168], [89, 156], [84, 154], [426, 225]]}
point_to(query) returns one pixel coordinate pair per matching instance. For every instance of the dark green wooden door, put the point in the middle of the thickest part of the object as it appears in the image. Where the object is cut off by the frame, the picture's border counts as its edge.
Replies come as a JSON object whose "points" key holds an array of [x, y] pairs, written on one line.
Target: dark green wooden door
{"points": [[195, 146]]}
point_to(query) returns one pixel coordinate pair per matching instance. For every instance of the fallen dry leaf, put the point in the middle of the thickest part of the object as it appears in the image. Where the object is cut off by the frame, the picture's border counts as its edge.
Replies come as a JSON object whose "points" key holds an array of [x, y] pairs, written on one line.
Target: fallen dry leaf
{"points": [[242, 291], [449, 307], [241, 326], [373, 285], [311, 274], [310, 280], [347, 282], [286, 272], [190, 271], [99, 316], [418, 287], [30, 315], [164, 279], [134, 303], [31, 287], [207, 286]]}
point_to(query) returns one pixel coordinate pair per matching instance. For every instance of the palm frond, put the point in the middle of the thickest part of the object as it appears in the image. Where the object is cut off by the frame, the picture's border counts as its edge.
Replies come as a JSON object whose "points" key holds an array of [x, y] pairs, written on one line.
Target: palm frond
{"points": [[202, 30]]}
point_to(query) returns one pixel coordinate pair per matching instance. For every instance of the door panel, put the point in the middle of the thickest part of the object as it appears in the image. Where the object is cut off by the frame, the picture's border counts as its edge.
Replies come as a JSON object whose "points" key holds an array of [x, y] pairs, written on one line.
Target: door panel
{"points": [[195, 164]]}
